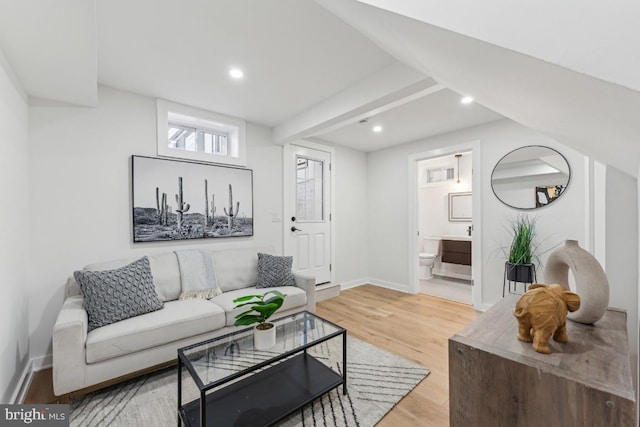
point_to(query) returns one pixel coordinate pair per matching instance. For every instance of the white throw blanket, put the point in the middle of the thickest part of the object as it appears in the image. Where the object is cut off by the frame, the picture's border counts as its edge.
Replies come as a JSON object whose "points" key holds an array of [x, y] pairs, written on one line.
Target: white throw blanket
{"points": [[197, 275]]}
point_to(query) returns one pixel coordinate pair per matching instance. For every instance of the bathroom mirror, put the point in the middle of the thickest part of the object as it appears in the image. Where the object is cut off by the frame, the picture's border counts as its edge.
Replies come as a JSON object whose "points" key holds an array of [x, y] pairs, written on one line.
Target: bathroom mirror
{"points": [[460, 206], [531, 177]]}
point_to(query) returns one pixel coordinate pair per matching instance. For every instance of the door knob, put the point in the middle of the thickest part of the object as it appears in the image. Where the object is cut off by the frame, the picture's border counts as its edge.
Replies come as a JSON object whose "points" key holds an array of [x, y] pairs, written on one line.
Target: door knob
{"points": [[295, 229]]}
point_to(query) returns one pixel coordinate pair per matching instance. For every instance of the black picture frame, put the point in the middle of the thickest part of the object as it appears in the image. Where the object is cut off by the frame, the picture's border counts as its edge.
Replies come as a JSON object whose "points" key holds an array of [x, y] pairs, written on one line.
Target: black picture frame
{"points": [[183, 200]]}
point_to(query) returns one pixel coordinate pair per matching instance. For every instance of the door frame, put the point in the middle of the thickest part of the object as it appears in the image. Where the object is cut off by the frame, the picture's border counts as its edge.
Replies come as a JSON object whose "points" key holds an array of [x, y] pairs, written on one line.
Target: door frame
{"points": [[413, 210], [287, 180]]}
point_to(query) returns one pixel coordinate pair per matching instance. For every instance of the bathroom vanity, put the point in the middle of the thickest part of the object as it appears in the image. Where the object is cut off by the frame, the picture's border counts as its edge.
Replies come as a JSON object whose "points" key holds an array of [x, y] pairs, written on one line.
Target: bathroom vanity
{"points": [[456, 251]]}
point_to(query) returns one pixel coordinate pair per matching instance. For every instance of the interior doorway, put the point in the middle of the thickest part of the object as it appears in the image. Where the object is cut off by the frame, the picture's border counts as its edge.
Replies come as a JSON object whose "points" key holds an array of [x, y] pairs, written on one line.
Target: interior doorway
{"points": [[444, 218]]}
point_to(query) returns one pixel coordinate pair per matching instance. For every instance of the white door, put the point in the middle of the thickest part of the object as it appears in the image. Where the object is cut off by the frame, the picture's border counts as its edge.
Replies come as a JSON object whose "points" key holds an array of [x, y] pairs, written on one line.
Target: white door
{"points": [[308, 212]]}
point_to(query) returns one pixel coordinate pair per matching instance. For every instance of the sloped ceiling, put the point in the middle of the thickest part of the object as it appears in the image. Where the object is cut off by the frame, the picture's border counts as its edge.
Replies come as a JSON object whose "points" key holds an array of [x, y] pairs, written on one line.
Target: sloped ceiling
{"points": [[593, 37], [591, 115]]}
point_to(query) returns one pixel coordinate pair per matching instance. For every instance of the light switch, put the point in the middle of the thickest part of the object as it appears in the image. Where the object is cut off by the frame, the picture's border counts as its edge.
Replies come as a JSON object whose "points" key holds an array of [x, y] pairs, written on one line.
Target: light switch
{"points": [[275, 217]]}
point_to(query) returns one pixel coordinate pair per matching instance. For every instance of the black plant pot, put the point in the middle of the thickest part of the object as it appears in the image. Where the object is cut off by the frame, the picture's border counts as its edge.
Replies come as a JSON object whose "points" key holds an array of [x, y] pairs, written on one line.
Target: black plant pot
{"points": [[523, 273]]}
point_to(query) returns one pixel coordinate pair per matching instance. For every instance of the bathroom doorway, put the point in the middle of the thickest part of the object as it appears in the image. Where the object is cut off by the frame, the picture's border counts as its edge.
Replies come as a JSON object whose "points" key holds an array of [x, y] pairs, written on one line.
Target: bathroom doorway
{"points": [[444, 209]]}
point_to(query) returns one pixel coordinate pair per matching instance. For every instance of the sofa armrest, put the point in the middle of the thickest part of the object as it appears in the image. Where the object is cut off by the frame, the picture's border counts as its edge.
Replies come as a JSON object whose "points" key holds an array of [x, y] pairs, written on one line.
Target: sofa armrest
{"points": [[308, 283], [69, 339]]}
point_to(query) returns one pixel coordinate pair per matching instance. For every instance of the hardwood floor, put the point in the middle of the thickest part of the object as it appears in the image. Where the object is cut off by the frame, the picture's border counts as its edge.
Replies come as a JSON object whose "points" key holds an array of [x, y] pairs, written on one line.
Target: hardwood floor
{"points": [[416, 327]]}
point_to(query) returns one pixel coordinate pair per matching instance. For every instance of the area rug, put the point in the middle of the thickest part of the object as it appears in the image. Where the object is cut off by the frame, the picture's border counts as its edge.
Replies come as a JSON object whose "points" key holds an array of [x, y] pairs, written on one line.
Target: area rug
{"points": [[376, 381]]}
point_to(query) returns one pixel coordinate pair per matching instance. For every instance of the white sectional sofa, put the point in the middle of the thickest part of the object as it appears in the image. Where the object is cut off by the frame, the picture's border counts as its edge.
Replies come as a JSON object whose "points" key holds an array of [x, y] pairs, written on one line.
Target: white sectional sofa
{"points": [[83, 359]]}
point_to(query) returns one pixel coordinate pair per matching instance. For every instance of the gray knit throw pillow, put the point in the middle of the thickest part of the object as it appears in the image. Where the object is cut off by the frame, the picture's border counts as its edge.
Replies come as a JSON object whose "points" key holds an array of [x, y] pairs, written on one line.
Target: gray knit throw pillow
{"points": [[114, 295], [274, 271]]}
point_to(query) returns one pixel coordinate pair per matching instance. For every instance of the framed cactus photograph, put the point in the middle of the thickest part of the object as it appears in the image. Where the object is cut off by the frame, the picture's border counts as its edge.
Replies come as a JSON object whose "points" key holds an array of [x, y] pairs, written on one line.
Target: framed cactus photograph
{"points": [[179, 200]]}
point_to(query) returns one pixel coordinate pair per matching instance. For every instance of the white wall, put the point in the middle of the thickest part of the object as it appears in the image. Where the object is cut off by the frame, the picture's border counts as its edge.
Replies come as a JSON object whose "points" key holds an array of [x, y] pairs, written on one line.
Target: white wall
{"points": [[351, 255], [14, 233], [621, 251], [80, 175], [388, 204]]}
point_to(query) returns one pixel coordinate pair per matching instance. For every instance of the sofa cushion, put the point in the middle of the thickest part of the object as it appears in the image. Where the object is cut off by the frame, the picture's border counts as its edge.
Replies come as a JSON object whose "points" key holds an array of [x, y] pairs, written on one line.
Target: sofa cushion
{"points": [[176, 321], [164, 268], [114, 295], [274, 271], [295, 297], [237, 268]]}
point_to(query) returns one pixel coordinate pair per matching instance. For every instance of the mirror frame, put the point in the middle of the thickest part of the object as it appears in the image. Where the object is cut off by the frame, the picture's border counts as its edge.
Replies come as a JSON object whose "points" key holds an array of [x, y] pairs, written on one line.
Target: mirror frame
{"points": [[455, 216], [520, 148]]}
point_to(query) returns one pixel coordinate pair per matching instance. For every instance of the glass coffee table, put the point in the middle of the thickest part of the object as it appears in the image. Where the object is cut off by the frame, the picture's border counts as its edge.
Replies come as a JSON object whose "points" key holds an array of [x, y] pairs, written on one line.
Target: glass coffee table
{"points": [[242, 386]]}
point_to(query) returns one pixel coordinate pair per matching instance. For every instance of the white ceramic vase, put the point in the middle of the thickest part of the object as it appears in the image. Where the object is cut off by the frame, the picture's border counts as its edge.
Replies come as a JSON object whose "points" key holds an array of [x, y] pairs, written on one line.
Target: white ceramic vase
{"points": [[264, 339], [591, 282]]}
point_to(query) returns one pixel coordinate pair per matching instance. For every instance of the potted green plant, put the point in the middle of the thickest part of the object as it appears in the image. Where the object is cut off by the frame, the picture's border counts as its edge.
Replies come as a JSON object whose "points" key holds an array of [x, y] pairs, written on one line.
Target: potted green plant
{"points": [[262, 308], [520, 266]]}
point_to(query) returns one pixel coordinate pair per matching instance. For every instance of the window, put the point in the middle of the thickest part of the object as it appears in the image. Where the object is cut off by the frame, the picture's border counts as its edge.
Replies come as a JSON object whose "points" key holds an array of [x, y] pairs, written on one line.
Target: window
{"points": [[189, 133], [309, 194]]}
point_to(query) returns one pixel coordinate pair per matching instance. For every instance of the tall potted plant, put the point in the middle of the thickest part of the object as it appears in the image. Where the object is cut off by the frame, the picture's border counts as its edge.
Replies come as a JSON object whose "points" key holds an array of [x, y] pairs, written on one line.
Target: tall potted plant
{"points": [[262, 308], [520, 266]]}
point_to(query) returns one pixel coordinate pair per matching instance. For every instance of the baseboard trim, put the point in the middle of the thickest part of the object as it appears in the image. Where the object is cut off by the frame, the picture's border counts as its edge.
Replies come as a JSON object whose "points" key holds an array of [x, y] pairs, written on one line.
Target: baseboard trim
{"points": [[23, 383], [483, 307], [353, 283], [389, 285], [42, 362], [35, 364]]}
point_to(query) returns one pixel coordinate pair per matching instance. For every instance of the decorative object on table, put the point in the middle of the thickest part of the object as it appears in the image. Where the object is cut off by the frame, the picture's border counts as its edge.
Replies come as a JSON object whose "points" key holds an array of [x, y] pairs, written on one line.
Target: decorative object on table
{"points": [[264, 334], [496, 380], [519, 267], [590, 281], [542, 313], [194, 187], [523, 177]]}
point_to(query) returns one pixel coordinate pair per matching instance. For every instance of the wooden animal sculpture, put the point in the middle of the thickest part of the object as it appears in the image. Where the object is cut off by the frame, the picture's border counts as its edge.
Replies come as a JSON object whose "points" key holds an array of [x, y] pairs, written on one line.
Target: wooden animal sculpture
{"points": [[542, 313]]}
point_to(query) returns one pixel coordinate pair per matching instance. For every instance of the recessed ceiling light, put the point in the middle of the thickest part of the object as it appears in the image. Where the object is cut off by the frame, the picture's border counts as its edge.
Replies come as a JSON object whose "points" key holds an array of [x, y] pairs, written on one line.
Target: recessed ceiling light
{"points": [[377, 128], [467, 100], [236, 73]]}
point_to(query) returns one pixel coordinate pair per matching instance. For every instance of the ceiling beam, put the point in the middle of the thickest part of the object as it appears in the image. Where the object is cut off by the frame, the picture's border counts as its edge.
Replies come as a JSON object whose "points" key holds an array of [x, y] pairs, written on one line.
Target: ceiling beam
{"points": [[594, 117], [392, 86]]}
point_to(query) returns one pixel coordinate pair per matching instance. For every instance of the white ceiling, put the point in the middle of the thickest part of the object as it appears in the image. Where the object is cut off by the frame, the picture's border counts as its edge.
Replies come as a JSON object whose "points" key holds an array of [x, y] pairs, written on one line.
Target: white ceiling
{"points": [[51, 46], [295, 54], [594, 37], [593, 116], [305, 66], [434, 114]]}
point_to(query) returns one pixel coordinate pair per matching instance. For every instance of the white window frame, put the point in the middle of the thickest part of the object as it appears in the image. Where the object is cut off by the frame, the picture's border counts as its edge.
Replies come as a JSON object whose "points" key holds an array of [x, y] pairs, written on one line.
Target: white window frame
{"points": [[170, 112]]}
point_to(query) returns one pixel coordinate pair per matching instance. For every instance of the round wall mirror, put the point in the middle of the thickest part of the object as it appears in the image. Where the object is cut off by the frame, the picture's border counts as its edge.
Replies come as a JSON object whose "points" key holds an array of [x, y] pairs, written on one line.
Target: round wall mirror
{"points": [[530, 177]]}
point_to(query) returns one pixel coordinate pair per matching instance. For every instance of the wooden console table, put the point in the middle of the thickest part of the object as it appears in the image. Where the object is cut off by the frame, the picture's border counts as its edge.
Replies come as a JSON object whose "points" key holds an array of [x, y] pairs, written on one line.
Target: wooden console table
{"points": [[496, 380]]}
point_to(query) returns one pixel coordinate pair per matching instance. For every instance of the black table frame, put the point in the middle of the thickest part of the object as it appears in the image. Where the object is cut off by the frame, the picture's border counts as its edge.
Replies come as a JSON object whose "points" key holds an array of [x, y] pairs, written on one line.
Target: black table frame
{"points": [[301, 366]]}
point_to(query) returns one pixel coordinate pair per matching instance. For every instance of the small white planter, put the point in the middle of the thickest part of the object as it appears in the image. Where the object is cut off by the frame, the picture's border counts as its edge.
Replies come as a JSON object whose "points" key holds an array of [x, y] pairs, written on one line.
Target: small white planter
{"points": [[264, 339]]}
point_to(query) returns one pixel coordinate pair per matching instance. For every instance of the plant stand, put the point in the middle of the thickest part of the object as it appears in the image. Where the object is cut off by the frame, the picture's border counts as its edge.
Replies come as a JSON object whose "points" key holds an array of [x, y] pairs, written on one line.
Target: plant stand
{"points": [[526, 278]]}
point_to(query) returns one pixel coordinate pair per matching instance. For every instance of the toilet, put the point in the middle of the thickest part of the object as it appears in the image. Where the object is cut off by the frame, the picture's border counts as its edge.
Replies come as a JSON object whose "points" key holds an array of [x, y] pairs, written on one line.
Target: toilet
{"points": [[430, 251]]}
